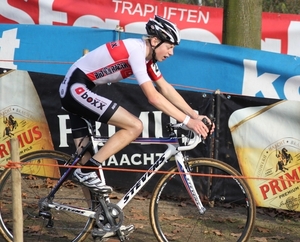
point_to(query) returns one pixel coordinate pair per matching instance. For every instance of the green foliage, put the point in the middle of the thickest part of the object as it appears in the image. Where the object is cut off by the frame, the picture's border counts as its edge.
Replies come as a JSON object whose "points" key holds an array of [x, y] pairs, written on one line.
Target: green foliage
{"points": [[282, 6]]}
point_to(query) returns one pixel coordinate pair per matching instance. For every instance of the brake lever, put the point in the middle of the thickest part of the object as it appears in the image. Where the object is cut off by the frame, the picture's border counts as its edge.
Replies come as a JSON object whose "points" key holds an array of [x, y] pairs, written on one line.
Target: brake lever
{"points": [[209, 126]]}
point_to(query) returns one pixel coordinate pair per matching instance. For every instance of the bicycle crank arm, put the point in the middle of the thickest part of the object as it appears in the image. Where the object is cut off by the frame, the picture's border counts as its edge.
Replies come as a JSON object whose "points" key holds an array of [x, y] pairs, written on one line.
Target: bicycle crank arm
{"points": [[112, 216]]}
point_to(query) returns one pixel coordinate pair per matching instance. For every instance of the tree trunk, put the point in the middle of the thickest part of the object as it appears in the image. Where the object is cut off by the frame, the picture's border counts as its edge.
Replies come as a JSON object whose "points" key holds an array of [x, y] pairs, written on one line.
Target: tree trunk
{"points": [[242, 23]]}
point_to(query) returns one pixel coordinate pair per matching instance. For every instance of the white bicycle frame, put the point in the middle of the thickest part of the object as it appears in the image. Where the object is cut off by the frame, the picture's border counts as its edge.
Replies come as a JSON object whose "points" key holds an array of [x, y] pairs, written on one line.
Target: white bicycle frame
{"points": [[173, 149]]}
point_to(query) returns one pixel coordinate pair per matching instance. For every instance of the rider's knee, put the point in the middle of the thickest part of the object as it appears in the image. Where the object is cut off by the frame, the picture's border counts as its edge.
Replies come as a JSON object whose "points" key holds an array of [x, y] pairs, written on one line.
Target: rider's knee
{"points": [[137, 127]]}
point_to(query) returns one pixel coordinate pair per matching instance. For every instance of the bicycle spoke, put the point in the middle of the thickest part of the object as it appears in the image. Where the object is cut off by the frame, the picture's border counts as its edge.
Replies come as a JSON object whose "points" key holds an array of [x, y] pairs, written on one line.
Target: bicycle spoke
{"points": [[175, 218], [66, 225]]}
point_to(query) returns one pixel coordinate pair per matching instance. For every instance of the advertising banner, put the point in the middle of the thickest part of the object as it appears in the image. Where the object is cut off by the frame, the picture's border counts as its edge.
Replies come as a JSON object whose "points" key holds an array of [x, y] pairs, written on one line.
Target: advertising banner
{"points": [[199, 66], [23, 117], [267, 143], [280, 32], [257, 136]]}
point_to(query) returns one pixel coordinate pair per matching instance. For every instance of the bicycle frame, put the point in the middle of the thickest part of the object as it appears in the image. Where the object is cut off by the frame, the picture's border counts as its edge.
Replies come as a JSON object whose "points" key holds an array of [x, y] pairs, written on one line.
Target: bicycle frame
{"points": [[173, 149]]}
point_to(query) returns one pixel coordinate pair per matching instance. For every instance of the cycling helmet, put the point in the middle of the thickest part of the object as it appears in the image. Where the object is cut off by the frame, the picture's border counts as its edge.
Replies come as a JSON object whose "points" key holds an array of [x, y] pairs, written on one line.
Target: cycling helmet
{"points": [[163, 29]]}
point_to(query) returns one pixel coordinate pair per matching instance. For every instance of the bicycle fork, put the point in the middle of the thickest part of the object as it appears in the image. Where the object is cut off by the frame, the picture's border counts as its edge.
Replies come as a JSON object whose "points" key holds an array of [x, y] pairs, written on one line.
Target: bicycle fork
{"points": [[188, 182]]}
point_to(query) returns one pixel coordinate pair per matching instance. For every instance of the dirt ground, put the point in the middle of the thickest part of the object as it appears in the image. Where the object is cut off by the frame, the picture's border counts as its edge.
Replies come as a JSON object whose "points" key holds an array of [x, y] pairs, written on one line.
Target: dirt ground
{"points": [[271, 225]]}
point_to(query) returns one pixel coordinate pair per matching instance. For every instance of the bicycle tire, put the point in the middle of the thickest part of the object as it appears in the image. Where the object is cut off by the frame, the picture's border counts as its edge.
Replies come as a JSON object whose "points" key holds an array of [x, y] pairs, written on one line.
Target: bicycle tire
{"points": [[174, 217], [67, 226]]}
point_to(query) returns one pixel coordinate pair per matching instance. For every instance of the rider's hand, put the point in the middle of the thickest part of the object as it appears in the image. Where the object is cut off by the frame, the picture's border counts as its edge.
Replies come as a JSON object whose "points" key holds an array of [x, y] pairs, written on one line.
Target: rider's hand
{"points": [[201, 117], [200, 127]]}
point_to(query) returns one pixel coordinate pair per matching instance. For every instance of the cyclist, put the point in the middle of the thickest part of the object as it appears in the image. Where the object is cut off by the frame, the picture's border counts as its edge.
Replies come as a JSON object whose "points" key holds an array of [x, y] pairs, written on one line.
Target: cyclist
{"points": [[113, 62]]}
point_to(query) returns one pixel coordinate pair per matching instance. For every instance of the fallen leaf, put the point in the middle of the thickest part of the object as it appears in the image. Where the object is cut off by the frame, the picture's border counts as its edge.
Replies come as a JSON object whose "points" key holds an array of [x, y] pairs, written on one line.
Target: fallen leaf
{"points": [[138, 226], [236, 235], [139, 198], [262, 230], [181, 225], [260, 239], [217, 232], [172, 218], [276, 237], [34, 229], [139, 217]]}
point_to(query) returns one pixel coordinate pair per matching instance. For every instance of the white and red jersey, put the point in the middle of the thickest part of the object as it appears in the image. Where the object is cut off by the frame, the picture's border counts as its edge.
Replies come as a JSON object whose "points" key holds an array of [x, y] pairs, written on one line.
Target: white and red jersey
{"points": [[118, 60]]}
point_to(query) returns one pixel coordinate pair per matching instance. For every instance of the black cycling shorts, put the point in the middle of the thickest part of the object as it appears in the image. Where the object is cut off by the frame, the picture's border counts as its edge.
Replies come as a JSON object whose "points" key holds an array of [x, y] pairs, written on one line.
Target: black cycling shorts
{"points": [[78, 98]]}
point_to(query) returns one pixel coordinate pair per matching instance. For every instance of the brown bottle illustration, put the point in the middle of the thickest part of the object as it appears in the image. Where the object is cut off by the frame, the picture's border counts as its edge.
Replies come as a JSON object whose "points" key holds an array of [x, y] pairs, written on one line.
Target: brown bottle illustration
{"points": [[22, 116]]}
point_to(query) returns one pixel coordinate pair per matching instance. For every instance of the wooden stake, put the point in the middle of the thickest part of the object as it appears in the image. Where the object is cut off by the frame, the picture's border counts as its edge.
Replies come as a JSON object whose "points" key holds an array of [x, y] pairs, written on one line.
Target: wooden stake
{"points": [[16, 192]]}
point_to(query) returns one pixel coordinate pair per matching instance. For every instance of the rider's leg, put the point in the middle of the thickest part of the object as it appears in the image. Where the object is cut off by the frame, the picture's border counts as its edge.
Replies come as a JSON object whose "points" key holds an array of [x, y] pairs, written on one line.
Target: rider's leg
{"points": [[130, 128], [82, 141]]}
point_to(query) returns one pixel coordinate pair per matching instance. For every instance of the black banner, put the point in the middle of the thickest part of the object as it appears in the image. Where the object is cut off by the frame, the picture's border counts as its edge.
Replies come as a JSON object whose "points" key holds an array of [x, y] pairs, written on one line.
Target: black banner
{"points": [[221, 145]]}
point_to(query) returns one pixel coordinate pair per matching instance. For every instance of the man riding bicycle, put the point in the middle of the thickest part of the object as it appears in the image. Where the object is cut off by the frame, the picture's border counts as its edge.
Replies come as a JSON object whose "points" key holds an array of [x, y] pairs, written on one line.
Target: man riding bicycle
{"points": [[113, 62]]}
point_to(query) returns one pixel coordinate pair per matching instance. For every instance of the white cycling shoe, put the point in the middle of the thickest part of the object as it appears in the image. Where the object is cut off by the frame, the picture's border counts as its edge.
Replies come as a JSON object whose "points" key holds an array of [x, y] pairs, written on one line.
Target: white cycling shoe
{"points": [[92, 181]]}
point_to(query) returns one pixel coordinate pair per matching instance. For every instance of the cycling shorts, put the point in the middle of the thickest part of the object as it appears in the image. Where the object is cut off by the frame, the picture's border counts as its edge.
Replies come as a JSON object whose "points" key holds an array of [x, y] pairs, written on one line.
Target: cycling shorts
{"points": [[78, 98]]}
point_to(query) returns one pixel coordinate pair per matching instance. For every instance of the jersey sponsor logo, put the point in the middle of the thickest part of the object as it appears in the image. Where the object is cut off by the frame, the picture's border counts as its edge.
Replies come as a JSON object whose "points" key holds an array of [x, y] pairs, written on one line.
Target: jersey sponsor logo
{"points": [[89, 99], [114, 106], [114, 44], [117, 50], [153, 71], [121, 66]]}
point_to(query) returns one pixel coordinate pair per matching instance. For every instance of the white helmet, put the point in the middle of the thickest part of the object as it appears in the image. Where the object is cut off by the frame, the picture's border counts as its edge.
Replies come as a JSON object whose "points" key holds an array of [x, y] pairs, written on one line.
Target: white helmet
{"points": [[163, 30]]}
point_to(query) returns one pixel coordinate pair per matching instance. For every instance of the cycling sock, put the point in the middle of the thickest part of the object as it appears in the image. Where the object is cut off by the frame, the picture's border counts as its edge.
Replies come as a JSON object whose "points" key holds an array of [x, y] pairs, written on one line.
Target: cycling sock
{"points": [[90, 162]]}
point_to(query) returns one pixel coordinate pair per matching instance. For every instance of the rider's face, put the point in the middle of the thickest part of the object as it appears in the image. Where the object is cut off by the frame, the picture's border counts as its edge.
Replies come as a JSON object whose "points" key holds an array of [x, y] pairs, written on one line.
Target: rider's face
{"points": [[164, 51]]}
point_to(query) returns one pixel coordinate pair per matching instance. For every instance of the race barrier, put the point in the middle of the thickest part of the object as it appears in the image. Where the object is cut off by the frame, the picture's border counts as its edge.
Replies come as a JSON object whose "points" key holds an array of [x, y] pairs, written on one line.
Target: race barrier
{"points": [[199, 66], [246, 135], [199, 23]]}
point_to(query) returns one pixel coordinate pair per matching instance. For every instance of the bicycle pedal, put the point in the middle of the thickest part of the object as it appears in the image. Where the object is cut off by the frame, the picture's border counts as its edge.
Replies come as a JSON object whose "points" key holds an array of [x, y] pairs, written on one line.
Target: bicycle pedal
{"points": [[98, 233], [127, 230]]}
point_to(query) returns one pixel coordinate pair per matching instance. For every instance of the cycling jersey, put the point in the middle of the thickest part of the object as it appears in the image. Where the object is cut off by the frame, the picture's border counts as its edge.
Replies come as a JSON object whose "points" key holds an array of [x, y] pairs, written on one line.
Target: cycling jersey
{"points": [[108, 63], [118, 60]]}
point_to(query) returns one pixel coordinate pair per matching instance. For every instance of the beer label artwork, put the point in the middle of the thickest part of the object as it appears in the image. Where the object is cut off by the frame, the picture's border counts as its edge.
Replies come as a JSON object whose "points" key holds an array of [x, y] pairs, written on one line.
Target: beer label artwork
{"points": [[267, 145], [281, 163], [23, 117]]}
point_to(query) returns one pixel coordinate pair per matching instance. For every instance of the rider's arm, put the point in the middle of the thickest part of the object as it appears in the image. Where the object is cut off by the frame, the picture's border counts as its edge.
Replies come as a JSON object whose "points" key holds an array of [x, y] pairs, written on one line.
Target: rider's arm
{"points": [[159, 101], [170, 93]]}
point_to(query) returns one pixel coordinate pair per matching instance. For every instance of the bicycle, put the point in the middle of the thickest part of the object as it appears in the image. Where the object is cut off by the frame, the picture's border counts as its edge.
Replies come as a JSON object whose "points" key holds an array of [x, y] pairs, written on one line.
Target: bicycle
{"points": [[53, 216]]}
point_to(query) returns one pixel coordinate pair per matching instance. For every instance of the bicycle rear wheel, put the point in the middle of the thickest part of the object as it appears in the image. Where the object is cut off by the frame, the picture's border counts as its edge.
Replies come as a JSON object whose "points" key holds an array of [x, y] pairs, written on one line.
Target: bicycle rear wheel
{"points": [[227, 198], [68, 226]]}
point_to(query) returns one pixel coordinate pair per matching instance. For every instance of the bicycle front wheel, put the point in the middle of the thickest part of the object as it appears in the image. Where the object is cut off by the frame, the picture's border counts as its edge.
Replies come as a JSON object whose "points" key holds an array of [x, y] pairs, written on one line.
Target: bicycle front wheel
{"points": [[36, 184], [230, 213]]}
